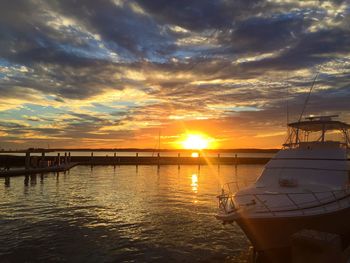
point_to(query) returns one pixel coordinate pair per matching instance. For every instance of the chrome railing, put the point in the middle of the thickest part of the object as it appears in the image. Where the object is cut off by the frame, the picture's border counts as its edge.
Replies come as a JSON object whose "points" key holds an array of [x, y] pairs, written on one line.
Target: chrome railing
{"points": [[228, 201]]}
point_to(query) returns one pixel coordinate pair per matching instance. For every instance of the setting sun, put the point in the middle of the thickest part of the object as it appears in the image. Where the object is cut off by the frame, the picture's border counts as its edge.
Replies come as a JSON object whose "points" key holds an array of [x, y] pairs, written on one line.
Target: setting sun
{"points": [[195, 141]]}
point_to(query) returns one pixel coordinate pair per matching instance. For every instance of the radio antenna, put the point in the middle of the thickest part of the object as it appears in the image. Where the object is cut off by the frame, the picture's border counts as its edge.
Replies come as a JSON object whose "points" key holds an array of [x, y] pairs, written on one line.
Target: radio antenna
{"points": [[287, 101], [307, 98]]}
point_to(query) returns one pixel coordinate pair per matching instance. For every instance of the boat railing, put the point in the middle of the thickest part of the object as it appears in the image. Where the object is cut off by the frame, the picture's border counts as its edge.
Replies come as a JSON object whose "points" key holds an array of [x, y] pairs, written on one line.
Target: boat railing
{"points": [[228, 201], [234, 186], [293, 145]]}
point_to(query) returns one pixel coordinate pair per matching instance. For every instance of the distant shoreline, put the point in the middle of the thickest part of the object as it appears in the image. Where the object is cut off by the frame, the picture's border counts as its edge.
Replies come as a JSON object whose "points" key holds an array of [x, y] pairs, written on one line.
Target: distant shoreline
{"points": [[240, 150]]}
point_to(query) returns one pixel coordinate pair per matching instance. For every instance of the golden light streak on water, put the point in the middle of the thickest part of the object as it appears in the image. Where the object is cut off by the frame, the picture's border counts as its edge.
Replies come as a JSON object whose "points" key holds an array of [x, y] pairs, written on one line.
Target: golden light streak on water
{"points": [[113, 214]]}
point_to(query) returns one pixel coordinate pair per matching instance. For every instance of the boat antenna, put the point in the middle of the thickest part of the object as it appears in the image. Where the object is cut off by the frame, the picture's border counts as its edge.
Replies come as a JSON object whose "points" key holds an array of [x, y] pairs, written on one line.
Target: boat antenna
{"points": [[159, 141], [287, 106], [304, 107], [307, 98], [287, 102]]}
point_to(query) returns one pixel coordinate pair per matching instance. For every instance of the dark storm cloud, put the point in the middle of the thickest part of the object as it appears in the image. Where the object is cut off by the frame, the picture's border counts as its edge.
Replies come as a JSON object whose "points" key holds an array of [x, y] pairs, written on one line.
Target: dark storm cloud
{"points": [[330, 100], [26, 37], [334, 100], [194, 15], [11, 125], [86, 117], [32, 39], [161, 58], [119, 26], [64, 81], [312, 49], [262, 34], [202, 15]]}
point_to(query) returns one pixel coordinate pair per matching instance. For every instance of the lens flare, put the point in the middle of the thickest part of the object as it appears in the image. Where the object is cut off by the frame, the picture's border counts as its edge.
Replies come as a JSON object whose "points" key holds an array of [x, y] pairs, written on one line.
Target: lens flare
{"points": [[195, 154], [195, 142]]}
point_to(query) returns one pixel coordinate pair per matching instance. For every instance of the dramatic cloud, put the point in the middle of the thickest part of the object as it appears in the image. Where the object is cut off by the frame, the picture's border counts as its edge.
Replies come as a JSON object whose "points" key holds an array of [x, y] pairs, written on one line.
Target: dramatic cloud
{"points": [[113, 73]]}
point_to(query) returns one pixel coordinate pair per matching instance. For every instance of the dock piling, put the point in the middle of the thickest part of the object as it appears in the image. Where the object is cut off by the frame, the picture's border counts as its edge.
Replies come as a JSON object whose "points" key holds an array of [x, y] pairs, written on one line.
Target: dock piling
{"points": [[199, 161], [26, 180], [7, 181], [27, 160]]}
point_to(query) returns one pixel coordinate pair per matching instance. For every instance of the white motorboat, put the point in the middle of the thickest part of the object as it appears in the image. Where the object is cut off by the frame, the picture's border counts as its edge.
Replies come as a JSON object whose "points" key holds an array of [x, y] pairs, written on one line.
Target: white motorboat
{"points": [[306, 185]]}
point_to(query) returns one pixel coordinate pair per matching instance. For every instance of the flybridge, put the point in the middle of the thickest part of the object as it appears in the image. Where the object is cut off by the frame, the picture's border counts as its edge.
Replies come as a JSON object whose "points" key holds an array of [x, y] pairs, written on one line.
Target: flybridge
{"points": [[319, 123], [318, 129]]}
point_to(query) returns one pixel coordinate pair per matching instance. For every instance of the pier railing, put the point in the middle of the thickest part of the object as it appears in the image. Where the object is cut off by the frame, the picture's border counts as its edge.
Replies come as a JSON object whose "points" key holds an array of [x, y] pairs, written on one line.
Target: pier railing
{"points": [[263, 202]]}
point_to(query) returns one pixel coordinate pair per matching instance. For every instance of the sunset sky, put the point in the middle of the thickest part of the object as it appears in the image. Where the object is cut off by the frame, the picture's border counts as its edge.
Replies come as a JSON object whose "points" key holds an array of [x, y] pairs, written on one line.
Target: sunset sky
{"points": [[117, 73]]}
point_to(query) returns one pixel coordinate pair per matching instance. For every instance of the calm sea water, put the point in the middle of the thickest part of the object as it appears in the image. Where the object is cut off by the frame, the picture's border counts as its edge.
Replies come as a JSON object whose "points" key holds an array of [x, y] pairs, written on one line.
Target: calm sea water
{"points": [[120, 214]]}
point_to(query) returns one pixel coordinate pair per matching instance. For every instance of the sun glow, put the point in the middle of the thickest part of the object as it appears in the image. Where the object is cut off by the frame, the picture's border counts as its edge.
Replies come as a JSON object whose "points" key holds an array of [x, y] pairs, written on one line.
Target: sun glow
{"points": [[195, 154], [195, 141]]}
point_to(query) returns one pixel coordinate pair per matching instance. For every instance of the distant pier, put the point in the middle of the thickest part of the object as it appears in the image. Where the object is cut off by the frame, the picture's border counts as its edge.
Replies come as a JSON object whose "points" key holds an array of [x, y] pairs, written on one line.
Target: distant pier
{"points": [[29, 164], [145, 160], [29, 171]]}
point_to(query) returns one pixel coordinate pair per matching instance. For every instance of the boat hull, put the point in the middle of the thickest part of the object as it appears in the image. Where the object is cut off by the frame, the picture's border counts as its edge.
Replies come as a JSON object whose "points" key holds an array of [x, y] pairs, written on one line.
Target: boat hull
{"points": [[276, 232]]}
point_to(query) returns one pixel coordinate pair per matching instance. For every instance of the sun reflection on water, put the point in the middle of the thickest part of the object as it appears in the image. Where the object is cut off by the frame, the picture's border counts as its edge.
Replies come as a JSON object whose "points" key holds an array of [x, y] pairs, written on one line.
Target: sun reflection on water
{"points": [[114, 214], [194, 183]]}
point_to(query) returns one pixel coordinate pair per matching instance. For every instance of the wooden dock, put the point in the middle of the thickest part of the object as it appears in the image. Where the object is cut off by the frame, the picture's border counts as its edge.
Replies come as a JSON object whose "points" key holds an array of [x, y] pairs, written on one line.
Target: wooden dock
{"points": [[24, 171], [145, 160], [62, 163]]}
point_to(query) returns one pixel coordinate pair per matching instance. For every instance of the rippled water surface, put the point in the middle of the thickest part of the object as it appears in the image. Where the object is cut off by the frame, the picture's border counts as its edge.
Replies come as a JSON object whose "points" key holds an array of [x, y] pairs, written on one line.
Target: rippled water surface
{"points": [[120, 214]]}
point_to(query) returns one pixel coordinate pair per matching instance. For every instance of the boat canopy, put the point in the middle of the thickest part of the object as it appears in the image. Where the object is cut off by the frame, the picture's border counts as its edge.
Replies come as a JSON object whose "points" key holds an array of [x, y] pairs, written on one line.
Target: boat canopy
{"points": [[319, 125], [315, 128]]}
